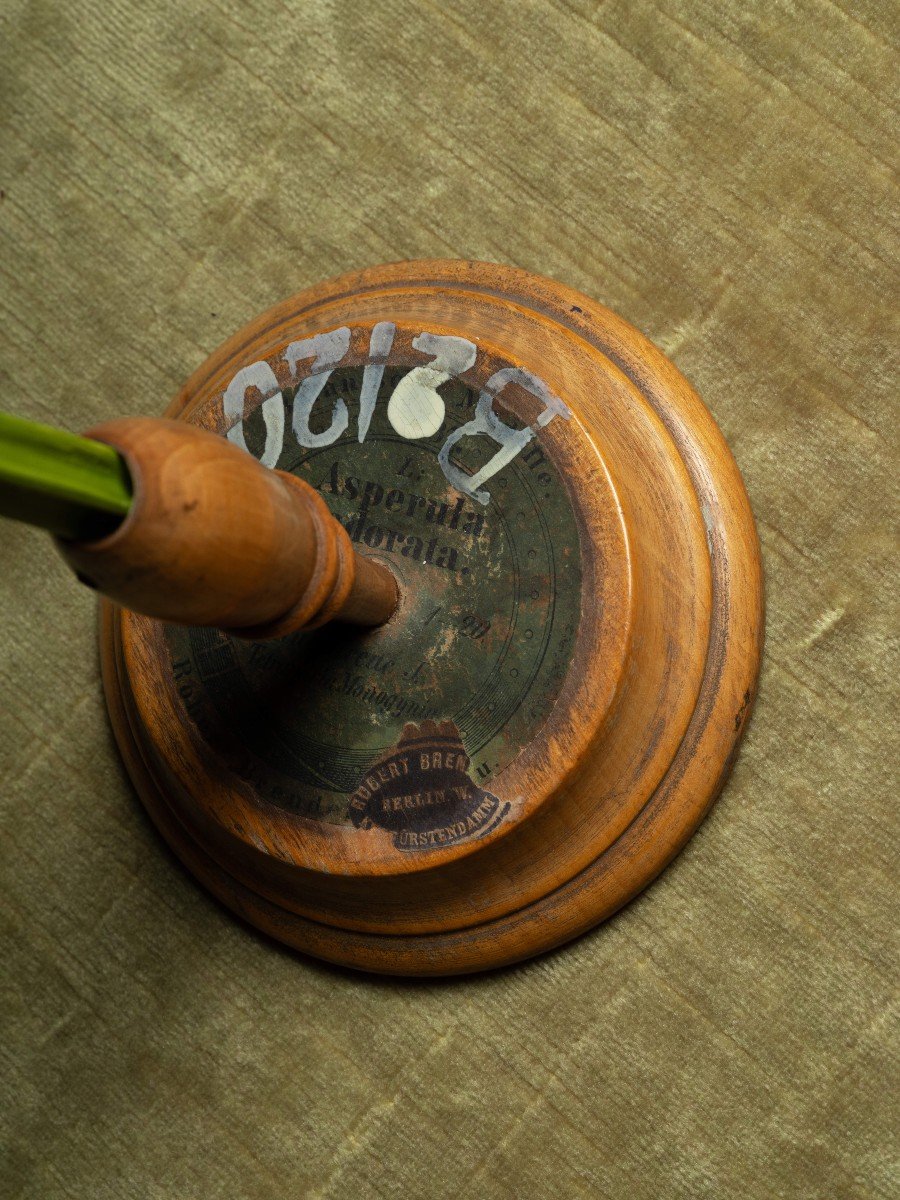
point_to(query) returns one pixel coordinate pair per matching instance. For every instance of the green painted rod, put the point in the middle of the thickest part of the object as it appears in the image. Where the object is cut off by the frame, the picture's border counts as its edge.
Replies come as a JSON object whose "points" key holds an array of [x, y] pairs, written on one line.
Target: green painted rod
{"points": [[74, 486]]}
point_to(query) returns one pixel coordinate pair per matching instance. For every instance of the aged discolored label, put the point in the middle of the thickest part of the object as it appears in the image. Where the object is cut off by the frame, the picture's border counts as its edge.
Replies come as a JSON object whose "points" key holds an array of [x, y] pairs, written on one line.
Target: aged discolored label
{"points": [[402, 728]]}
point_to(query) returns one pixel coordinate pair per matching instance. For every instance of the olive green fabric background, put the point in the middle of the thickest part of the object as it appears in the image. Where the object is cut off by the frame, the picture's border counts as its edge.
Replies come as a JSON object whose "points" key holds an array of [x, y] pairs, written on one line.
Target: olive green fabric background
{"points": [[718, 173]]}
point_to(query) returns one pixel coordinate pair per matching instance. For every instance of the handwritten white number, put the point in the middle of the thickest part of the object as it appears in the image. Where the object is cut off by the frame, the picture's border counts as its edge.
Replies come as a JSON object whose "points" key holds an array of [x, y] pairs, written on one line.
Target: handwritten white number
{"points": [[416, 409], [487, 422], [259, 375], [327, 350], [379, 348]]}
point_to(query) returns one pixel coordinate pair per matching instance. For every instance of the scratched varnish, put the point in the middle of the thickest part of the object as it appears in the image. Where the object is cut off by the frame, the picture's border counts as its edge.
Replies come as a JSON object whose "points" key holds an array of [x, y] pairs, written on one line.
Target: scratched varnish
{"points": [[555, 704]]}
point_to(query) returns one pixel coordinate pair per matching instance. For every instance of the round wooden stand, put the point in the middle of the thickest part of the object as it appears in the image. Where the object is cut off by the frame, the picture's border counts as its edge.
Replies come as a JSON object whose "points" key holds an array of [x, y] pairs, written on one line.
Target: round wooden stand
{"points": [[547, 717]]}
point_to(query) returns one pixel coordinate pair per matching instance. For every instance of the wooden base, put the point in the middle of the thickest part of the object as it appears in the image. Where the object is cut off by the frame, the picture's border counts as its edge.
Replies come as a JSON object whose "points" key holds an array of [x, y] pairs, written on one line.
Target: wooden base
{"points": [[548, 716]]}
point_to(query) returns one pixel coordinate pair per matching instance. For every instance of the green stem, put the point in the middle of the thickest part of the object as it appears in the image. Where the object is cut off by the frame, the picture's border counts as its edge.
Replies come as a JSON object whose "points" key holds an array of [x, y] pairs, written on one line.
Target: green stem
{"points": [[76, 487]]}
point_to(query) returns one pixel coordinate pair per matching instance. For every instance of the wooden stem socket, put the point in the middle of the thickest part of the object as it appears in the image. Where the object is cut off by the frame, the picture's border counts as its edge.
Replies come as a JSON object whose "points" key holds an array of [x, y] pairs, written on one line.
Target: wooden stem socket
{"points": [[214, 538]]}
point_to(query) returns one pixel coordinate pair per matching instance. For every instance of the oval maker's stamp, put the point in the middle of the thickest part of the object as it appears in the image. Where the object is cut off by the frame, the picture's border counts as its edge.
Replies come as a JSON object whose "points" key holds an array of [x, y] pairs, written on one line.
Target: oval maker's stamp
{"points": [[421, 792]]}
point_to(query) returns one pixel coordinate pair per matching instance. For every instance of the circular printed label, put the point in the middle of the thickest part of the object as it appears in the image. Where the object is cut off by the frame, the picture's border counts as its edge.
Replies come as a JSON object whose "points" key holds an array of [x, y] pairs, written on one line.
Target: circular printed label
{"points": [[405, 727]]}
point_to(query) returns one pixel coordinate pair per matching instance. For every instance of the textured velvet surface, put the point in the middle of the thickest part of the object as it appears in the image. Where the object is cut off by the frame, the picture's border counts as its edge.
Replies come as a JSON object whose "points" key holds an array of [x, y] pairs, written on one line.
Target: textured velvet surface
{"points": [[720, 174]]}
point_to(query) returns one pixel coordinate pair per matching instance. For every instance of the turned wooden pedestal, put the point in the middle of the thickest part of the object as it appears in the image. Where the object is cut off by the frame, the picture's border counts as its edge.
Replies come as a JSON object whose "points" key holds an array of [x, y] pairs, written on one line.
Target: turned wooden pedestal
{"points": [[555, 703]]}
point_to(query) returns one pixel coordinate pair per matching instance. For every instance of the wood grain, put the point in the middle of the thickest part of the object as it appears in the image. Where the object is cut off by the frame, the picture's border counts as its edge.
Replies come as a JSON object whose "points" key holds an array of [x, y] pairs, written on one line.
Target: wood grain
{"points": [[635, 748]]}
